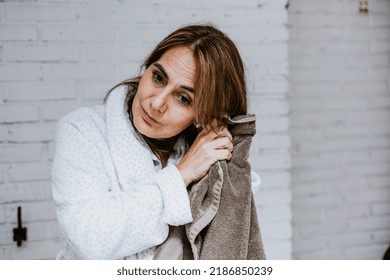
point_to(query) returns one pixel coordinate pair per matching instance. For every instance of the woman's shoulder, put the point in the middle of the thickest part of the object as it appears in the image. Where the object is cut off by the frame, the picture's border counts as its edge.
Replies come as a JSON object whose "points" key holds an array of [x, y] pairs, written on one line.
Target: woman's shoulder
{"points": [[84, 115], [84, 119]]}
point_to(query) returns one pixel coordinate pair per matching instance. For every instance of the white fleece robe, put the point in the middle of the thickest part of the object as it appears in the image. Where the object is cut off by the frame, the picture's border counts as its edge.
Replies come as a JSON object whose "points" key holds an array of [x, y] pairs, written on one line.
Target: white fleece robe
{"points": [[113, 199]]}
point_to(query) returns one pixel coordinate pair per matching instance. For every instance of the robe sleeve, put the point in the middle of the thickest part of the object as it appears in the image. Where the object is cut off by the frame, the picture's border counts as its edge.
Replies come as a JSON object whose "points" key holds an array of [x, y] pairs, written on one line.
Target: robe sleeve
{"points": [[98, 222]]}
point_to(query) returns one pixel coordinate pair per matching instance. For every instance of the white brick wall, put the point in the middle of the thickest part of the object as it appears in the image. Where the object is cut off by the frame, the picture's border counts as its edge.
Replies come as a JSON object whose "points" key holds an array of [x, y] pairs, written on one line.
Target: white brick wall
{"points": [[58, 55], [340, 112]]}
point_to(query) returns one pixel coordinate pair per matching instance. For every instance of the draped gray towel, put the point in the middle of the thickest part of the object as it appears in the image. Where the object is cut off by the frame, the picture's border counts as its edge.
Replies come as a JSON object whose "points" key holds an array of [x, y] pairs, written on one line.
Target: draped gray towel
{"points": [[225, 224]]}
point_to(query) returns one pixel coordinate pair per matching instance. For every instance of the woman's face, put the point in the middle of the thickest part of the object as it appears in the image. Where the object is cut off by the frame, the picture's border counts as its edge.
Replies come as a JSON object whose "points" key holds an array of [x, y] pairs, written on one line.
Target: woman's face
{"points": [[163, 105]]}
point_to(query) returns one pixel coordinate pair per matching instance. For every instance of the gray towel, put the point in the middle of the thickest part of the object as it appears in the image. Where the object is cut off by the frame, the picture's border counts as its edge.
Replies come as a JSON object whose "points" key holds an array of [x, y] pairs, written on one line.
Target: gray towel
{"points": [[225, 224]]}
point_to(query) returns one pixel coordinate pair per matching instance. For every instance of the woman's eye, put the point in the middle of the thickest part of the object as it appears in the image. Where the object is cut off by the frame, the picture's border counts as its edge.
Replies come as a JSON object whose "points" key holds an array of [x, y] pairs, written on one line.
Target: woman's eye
{"points": [[157, 78], [183, 99]]}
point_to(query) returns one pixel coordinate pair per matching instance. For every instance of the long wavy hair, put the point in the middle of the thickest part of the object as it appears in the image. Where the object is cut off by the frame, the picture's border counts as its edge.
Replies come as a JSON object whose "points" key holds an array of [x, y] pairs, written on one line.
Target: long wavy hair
{"points": [[219, 82]]}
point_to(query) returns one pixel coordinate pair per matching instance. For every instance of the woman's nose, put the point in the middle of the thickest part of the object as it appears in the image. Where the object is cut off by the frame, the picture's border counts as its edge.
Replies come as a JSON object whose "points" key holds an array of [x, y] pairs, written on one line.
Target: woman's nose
{"points": [[159, 101]]}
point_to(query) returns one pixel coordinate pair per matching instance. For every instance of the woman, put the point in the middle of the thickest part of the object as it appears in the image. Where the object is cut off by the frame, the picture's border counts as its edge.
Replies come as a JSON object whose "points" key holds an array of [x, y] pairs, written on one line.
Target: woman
{"points": [[120, 170]]}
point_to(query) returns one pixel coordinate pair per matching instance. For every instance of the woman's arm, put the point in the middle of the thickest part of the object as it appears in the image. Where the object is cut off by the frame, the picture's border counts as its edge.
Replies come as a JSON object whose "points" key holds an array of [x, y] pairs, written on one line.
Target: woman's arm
{"points": [[99, 222]]}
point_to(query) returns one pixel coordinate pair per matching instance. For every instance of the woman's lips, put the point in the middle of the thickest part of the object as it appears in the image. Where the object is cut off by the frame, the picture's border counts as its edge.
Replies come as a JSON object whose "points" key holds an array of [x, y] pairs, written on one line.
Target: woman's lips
{"points": [[148, 119]]}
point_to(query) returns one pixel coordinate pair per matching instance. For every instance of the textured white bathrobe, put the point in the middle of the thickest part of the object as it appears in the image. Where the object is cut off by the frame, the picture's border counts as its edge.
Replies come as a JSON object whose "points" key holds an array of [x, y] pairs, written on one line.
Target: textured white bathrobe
{"points": [[113, 199]]}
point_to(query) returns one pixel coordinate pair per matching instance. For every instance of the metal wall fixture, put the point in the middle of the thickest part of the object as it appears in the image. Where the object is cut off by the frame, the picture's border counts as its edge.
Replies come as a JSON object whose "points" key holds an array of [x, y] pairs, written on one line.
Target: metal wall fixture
{"points": [[20, 233], [363, 7]]}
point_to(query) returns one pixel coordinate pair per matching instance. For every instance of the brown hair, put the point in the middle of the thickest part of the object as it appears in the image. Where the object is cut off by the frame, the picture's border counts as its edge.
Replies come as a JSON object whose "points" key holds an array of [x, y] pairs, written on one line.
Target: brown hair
{"points": [[219, 82]]}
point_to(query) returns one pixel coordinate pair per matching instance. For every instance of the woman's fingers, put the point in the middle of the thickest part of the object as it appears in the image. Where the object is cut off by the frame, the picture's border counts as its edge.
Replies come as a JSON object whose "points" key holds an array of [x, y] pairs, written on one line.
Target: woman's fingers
{"points": [[225, 133], [222, 143], [209, 147]]}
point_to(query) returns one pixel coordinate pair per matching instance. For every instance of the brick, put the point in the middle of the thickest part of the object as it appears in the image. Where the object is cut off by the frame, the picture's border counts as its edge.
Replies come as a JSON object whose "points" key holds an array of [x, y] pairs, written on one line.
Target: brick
{"points": [[381, 20], [53, 112], [338, 158], [266, 52], [31, 133], [24, 192], [42, 231], [275, 179], [3, 215], [94, 91], [367, 33], [272, 86], [46, 12], [147, 37], [321, 174], [18, 32], [382, 46], [32, 211], [274, 141], [348, 211], [368, 117], [44, 250], [381, 236], [380, 209], [324, 33], [310, 6], [6, 234], [3, 252], [220, 4], [127, 70], [38, 91], [276, 230], [14, 72], [360, 48], [265, 108], [272, 124], [178, 14], [342, 20], [29, 172], [244, 17], [303, 189], [273, 4], [367, 169], [90, 2], [11, 153], [84, 71], [256, 38], [78, 33], [50, 151], [273, 198], [348, 184], [381, 6], [275, 249], [370, 252], [275, 213], [40, 52], [308, 245], [271, 161], [265, 69], [364, 87], [322, 255], [114, 53], [114, 13], [379, 181], [310, 49], [370, 223], [2, 175], [18, 113]]}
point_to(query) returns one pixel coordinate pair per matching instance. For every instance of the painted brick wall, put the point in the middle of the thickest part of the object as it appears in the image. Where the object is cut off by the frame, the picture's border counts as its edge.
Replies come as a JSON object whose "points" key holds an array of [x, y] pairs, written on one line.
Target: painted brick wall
{"points": [[340, 113], [59, 55]]}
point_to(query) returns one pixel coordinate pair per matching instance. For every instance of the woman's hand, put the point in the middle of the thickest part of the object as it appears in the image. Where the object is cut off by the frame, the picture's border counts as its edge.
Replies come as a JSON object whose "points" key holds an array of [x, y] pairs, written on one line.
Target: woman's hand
{"points": [[207, 148]]}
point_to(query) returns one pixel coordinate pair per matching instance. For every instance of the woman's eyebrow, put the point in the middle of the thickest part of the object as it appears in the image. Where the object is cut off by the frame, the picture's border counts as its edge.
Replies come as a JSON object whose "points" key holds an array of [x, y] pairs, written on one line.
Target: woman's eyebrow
{"points": [[161, 68]]}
